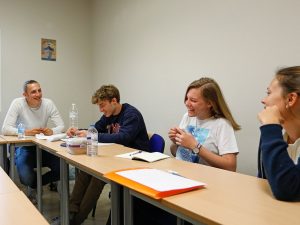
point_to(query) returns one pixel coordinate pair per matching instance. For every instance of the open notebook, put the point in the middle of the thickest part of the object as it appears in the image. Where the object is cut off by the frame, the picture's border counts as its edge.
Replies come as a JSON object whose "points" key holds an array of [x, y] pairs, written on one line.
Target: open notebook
{"points": [[144, 156], [153, 182]]}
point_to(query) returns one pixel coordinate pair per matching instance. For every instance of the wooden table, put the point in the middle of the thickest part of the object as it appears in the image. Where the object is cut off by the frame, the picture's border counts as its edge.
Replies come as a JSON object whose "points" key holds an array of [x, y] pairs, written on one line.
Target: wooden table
{"points": [[15, 208], [229, 198], [96, 166], [13, 142], [6, 184]]}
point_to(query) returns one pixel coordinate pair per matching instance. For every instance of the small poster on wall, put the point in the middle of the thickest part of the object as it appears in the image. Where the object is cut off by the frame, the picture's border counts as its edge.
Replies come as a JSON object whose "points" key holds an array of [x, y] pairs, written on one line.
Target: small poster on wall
{"points": [[48, 49]]}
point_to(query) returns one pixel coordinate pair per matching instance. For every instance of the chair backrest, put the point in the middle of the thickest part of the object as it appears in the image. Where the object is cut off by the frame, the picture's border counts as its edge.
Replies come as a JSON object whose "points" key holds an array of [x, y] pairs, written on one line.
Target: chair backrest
{"points": [[157, 143]]}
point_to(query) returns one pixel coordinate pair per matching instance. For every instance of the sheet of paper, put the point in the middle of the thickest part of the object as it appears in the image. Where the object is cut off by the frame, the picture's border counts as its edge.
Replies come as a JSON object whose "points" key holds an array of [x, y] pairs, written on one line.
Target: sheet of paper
{"points": [[104, 144], [159, 180], [54, 137], [41, 136], [99, 143]]}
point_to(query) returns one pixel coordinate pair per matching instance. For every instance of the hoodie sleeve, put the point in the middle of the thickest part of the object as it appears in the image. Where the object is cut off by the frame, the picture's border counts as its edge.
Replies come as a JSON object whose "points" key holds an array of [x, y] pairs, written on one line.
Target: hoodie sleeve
{"points": [[282, 174]]}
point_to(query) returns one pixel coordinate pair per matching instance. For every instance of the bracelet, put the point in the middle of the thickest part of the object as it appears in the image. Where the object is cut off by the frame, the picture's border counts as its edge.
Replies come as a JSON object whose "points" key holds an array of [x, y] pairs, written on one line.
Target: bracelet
{"points": [[199, 146]]}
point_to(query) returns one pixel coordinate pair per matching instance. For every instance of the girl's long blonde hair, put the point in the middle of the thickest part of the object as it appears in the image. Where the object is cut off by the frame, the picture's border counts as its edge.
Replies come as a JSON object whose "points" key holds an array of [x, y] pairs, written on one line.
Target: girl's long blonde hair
{"points": [[212, 93]]}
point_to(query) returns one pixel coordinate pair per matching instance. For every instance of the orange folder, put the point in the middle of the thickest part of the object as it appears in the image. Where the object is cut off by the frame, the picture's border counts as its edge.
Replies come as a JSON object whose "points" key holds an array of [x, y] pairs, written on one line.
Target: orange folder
{"points": [[141, 188]]}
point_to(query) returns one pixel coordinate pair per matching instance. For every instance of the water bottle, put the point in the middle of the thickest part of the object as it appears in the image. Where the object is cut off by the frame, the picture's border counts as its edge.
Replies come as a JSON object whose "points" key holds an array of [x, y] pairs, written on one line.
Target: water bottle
{"points": [[92, 141], [21, 131], [73, 116]]}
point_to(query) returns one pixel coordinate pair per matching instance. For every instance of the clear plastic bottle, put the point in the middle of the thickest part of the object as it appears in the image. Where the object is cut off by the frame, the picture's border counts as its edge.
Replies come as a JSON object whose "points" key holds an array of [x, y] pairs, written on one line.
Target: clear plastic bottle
{"points": [[21, 131], [73, 116], [92, 141]]}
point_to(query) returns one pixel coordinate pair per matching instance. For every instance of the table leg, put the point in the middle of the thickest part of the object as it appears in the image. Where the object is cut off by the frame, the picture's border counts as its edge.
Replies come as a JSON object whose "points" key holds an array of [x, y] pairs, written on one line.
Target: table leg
{"points": [[64, 182], [180, 221], [12, 161], [115, 203], [128, 207], [2, 159], [5, 164], [39, 177]]}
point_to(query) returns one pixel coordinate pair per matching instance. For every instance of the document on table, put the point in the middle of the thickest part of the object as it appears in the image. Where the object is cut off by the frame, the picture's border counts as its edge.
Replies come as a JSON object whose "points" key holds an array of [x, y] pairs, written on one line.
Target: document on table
{"points": [[104, 144], [144, 156], [158, 179], [99, 143], [54, 137], [153, 182]]}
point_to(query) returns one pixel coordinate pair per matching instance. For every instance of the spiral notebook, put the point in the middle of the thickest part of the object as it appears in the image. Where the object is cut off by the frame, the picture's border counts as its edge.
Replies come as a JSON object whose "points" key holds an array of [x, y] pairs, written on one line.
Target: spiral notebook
{"points": [[144, 156]]}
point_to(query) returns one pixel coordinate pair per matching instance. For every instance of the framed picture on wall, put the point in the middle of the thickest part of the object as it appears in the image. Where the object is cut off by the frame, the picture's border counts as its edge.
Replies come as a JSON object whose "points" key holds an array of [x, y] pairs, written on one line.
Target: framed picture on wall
{"points": [[48, 49]]}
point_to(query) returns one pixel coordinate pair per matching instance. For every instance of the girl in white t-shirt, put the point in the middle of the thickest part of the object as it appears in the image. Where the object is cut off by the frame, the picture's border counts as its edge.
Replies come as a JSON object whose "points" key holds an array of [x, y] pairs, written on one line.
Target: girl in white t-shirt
{"points": [[206, 132]]}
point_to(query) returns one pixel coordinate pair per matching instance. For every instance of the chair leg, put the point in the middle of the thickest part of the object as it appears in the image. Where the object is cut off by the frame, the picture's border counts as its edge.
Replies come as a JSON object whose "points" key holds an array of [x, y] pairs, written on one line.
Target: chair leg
{"points": [[94, 211], [53, 186]]}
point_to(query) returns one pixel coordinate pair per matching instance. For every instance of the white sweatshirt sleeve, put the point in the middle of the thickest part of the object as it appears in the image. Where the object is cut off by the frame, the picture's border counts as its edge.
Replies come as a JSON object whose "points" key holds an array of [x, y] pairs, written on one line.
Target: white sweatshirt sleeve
{"points": [[9, 125], [56, 119]]}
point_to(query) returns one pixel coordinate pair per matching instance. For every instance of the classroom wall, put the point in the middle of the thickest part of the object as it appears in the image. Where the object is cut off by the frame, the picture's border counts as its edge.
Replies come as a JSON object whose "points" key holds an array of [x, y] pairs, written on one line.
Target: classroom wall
{"points": [[69, 79], [153, 49]]}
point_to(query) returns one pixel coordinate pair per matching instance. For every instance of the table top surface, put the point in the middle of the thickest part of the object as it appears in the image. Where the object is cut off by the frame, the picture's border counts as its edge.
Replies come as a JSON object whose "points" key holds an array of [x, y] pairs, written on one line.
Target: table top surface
{"points": [[2, 140], [6, 184], [229, 198], [15, 139], [15, 208]]}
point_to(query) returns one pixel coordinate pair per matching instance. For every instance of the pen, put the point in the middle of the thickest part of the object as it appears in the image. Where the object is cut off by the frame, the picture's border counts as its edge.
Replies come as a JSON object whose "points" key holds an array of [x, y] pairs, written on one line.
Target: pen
{"points": [[174, 173], [140, 151]]}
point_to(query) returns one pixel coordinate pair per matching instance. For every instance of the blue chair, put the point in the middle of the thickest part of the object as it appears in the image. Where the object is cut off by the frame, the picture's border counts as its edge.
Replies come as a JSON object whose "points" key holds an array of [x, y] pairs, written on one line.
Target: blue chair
{"points": [[157, 143]]}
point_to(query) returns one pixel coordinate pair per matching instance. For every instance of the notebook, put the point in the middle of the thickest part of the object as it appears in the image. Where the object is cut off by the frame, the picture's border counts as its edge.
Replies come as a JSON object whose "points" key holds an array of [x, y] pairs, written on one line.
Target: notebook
{"points": [[144, 156]]}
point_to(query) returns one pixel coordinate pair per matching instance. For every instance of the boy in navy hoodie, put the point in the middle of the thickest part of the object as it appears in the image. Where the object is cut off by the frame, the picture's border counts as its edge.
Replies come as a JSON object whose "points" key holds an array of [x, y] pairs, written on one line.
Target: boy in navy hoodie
{"points": [[121, 124]]}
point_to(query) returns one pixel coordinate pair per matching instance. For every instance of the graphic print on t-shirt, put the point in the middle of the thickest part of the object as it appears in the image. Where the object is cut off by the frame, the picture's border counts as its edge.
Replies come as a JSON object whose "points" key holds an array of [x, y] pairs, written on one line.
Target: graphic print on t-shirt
{"points": [[201, 134], [114, 128]]}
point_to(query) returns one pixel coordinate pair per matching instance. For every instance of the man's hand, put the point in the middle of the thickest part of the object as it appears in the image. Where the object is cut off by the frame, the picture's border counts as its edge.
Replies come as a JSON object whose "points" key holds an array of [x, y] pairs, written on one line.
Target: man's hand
{"points": [[47, 131], [33, 132]]}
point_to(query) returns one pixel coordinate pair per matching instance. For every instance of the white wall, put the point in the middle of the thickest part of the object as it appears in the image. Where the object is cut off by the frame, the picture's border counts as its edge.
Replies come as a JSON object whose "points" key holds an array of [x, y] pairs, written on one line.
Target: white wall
{"points": [[153, 49], [0, 71], [23, 24]]}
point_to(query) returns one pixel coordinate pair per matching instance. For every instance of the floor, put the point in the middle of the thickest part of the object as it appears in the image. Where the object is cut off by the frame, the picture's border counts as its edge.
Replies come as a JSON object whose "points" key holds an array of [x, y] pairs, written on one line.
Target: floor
{"points": [[51, 205]]}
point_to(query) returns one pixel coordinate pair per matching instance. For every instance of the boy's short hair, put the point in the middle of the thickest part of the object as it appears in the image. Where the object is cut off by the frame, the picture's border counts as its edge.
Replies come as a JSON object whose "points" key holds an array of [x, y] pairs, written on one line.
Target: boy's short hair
{"points": [[106, 92]]}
